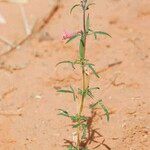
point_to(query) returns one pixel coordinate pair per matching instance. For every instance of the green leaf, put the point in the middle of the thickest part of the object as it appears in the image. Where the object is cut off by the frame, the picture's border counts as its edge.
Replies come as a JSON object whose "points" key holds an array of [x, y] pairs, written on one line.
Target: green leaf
{"points": [[76, 5], [89, 93], [77, 118], [89, 5], [76, 125], [81, 48], [64, 91], [93, 70], [100, 103], [73, 92], [72, 38], [66, 61], [71, 147], [92, 106], [94, 88], [81, 92], [105, 110], [87, 23], [91, 30], [68, 91], [74, 118], [83, 118], [101, 33], [63, 113]]}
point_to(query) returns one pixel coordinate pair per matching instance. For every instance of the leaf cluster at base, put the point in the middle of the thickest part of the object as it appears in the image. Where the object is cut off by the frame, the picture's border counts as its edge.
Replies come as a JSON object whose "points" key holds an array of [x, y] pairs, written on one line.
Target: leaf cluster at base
{"points": [[79, 121]]}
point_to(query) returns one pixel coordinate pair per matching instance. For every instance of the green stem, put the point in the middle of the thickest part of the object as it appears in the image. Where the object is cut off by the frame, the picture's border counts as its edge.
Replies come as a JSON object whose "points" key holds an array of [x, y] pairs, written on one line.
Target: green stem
{"points": [[83, 76], [83, 63]]}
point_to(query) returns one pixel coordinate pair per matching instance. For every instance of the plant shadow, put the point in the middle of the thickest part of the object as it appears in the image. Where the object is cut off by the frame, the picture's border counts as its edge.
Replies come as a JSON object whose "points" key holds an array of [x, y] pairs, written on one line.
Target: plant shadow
{"points": [[93, 136]]}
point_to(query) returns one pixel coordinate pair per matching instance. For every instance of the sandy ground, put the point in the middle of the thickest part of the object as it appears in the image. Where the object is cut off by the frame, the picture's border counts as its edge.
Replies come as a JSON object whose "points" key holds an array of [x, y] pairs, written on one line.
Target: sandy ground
{"points": [[28, 78]]}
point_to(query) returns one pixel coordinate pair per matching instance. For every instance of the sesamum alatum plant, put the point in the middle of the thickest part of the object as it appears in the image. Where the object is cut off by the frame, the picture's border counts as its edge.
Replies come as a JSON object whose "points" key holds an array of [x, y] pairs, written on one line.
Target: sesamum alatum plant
{"points": [[79, 120]]}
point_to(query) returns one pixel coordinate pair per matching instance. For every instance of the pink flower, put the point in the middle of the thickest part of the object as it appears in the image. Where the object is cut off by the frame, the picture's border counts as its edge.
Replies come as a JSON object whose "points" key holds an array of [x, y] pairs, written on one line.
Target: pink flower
{"points": [[68, 35]]}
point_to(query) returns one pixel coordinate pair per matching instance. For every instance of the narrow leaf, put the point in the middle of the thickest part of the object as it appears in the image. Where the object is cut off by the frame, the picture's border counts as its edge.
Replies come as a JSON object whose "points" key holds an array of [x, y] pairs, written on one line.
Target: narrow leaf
{"points": [[87, 23], [81, 47], [93, 70], [89, 93], [66, 61], [100, 104], [76, 5], [64, 91], [94, 88], [89, 5], [92, 106], [105, 110], [102, 33], [73, 92], [72, 38], [63, 113], [83, 118], [76, 125]]}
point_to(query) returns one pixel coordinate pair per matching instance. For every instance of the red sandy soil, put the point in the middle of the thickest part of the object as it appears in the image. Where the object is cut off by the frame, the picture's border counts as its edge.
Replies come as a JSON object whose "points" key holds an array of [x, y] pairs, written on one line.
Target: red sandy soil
{"points": [[28, 78]]}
